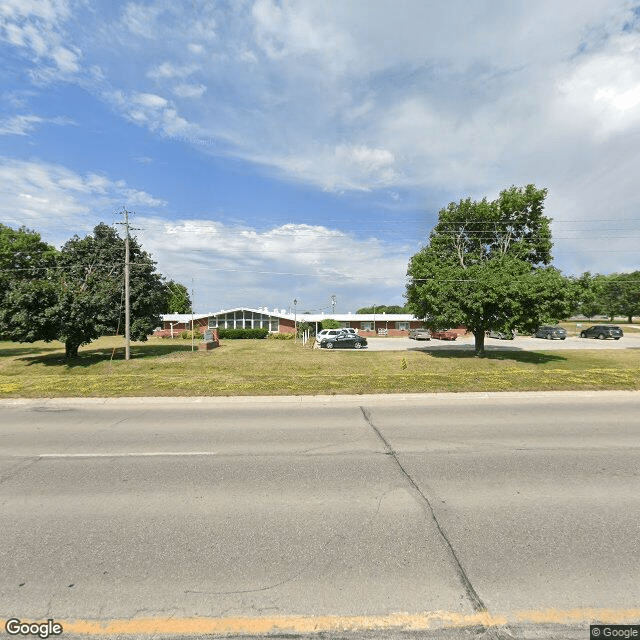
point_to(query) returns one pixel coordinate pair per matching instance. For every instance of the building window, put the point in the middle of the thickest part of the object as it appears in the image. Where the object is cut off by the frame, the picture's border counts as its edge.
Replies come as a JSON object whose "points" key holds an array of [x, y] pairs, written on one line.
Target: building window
{"points": [[367, 326], [402, 326]]}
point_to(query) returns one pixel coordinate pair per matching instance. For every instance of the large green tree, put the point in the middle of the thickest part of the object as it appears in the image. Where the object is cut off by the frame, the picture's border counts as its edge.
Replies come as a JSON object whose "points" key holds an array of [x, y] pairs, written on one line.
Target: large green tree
{"points": [[80, 297], [589, 295], [619, 294], [630, 295], [178, 300], [25, 275], [487, 266], [23, 257]]}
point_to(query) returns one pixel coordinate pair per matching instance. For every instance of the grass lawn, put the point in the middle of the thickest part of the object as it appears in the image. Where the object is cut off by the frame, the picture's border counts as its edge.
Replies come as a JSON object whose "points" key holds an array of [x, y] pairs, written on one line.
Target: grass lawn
{"points": [[277, 367]]}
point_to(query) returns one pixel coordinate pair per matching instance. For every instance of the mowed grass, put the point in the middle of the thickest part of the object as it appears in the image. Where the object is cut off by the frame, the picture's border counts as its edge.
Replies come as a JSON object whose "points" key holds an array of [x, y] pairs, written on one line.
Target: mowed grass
{"points": [[275, 367]]}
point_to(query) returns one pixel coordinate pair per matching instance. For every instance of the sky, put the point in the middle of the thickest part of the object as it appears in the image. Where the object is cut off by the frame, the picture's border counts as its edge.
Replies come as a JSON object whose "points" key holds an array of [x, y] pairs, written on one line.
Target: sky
{"points": [[273, 151]]}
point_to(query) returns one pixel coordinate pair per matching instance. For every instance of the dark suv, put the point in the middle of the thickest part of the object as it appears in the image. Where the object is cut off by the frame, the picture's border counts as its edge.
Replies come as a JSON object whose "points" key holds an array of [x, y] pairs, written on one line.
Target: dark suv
{"points": [[602, 331], [551, 333]]}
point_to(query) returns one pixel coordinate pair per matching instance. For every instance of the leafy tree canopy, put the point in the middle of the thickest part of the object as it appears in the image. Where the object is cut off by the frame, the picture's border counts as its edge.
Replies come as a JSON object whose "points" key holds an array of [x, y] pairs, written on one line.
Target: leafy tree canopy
{"points": [[23, 256], [178, 300], [79, 295], [330, 323], [610, 295], [383, 308], [486, 266], [629, 294]]}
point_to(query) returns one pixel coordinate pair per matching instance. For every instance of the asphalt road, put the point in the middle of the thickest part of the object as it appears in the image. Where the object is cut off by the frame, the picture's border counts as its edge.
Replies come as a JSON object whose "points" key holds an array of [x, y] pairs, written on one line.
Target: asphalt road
{"points": [[507, 513]]}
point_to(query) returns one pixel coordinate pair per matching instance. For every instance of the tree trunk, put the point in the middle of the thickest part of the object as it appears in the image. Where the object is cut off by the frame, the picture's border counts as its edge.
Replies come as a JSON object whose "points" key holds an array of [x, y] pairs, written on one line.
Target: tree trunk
{"points": [[71, 349], [479, 340]]}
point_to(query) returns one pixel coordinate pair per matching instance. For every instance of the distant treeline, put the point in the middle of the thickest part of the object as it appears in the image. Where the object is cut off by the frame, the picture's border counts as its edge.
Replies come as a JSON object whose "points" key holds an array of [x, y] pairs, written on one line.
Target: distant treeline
{"points": [[384, 308]]}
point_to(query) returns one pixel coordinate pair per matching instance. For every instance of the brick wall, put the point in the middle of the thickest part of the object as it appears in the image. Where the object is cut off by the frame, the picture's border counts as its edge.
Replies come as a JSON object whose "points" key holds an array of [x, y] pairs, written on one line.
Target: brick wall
{"points": [[287, 326]]}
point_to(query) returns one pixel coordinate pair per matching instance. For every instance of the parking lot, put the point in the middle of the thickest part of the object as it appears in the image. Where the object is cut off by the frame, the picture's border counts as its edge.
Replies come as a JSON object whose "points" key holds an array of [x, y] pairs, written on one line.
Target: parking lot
{"points": [[520, 343]]}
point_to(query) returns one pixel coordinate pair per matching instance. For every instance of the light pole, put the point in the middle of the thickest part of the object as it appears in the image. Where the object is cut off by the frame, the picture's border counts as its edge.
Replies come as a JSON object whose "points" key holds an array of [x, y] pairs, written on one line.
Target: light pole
{"points": [[295, 319], [333, 304]]}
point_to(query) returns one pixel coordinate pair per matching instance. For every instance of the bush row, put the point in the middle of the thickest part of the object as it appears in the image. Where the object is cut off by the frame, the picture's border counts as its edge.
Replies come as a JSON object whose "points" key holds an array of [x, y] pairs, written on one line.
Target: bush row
{"points": [[281, 336], [186, 335], [242, 334]]}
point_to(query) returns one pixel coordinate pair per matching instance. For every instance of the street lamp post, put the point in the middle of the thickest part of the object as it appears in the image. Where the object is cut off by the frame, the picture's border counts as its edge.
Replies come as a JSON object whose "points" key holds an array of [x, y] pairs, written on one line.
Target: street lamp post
{"points": [[295, 319]]}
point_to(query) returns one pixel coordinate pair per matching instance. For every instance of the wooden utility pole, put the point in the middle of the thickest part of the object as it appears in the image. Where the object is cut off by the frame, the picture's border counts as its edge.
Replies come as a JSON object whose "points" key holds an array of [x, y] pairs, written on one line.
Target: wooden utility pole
{"points": [[127, 306], [192, 328]]}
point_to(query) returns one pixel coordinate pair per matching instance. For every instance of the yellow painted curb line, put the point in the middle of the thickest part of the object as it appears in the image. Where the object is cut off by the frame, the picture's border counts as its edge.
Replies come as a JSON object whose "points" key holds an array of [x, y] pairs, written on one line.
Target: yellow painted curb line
{"points": [[317, 624]]}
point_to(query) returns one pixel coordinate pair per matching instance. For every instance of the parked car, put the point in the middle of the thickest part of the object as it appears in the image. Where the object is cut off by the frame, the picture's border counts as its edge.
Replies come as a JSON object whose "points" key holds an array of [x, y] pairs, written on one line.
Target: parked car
{"points": [[420, 334], [501, 335], [551, 333], [602, 331], [444, 335], [343, 340], [328, 333]]}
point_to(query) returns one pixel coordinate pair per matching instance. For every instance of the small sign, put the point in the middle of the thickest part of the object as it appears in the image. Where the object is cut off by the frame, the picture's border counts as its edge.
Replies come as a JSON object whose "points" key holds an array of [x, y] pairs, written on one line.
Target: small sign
{"points": [[208, 335]]}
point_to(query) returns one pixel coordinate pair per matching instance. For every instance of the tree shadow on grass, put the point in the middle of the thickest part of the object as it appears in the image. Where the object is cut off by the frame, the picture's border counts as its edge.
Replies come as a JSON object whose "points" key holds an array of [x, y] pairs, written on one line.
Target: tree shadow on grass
{"points": [[23, 351], [526, 357], [90, 357]]}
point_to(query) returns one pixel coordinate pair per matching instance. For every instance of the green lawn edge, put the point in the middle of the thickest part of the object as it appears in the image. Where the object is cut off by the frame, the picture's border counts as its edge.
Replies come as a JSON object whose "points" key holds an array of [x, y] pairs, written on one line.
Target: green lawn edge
{"points": [[168, 368]]}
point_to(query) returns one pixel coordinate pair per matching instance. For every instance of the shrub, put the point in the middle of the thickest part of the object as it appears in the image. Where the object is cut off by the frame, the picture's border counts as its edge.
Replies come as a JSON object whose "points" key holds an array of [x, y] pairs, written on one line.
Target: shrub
{"points": [[281, 336], [186, 335], [242, 334]]}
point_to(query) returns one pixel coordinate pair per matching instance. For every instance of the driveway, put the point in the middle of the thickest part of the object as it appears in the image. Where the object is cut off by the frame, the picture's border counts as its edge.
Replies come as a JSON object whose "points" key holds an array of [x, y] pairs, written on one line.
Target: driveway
{"points": [[521, 343]]}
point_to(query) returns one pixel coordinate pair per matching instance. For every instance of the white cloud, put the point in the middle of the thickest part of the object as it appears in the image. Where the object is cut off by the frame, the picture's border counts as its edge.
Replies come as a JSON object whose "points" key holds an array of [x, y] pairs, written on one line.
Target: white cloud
{"points": [[292, 29], [150, 100], [141, 19], [22, 125], [170, 70], [38, 26], [66, 59], [345, 167], [153, 111], [189, 90], [247, 266], [370, 95], [19, 125], [601, 92], [171, 20], [59, 202], [231, 264]]}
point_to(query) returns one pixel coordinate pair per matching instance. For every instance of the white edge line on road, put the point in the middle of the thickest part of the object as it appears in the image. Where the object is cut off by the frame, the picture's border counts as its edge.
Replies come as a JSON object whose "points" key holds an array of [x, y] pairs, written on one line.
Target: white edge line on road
{"points": [[387, 398], [127, 454]]}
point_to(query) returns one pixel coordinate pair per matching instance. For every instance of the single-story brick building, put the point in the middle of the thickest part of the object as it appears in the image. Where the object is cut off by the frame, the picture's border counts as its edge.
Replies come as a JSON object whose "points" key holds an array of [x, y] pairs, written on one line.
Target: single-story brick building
{"points": [[281, 321], [173, 324]]}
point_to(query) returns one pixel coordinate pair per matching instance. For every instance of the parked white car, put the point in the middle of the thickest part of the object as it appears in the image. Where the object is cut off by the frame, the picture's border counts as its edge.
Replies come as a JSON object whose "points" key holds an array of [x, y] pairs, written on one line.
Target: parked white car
{"points": [[331, 333]]}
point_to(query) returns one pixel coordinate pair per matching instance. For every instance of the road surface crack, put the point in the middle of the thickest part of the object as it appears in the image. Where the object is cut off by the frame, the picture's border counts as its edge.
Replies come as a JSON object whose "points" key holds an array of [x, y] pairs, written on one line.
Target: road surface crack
{"points": [[476, 602], [486, 633]]}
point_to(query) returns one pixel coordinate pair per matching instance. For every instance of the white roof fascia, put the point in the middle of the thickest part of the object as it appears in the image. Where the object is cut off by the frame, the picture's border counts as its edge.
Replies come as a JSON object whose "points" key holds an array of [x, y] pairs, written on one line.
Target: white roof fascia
{"points": [[183, 317]]}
